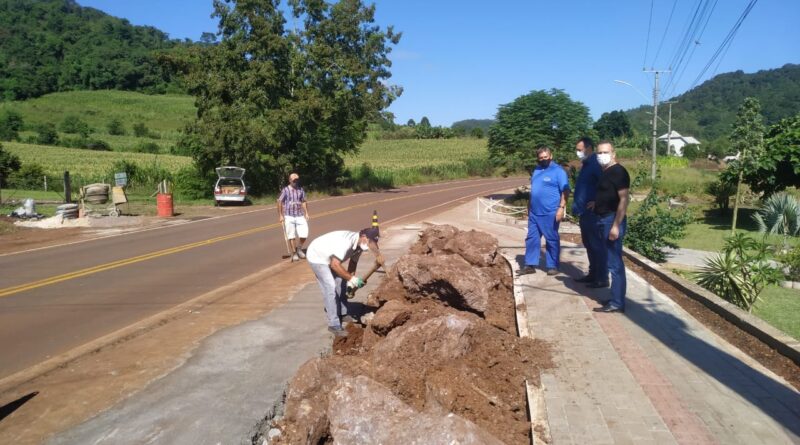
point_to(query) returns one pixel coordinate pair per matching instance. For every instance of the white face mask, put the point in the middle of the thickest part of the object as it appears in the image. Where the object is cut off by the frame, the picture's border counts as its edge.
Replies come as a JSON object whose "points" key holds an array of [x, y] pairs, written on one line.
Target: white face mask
{"points": [[580, 154], [604, 158], [364, 247]]}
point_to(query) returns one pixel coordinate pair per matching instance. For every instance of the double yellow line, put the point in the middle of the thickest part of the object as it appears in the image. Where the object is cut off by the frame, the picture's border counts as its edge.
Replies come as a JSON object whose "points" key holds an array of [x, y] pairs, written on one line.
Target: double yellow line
{"points": [[149, 256]]}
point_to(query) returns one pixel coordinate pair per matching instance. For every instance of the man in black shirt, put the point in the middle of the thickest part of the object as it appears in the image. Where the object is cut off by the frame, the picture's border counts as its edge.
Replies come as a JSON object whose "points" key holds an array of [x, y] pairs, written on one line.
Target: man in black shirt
{"points": [[610, 205]]}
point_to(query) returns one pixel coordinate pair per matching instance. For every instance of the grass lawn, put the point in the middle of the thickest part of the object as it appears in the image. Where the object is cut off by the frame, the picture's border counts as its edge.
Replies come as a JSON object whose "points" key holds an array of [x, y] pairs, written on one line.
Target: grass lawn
{"points": [[709, 231], [780, 307]]}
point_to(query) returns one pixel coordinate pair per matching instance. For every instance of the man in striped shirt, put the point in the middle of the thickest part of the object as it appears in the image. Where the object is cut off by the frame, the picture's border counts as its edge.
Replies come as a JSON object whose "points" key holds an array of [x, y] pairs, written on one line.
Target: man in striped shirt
{"points": [[293, 214]]}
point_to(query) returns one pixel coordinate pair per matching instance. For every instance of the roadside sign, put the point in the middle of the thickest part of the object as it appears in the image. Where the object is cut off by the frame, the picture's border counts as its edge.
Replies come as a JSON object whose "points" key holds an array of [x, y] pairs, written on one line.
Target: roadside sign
{"points": [[121, 179]]}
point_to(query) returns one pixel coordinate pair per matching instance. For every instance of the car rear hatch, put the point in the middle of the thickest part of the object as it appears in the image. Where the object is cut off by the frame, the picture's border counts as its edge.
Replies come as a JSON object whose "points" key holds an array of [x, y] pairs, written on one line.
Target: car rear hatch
{"points": [[230, 185]]}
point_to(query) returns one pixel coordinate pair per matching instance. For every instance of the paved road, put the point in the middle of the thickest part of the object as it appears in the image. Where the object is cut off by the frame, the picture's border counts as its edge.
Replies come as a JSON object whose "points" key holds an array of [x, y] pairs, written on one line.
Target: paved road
{"points": [[58, 298]]}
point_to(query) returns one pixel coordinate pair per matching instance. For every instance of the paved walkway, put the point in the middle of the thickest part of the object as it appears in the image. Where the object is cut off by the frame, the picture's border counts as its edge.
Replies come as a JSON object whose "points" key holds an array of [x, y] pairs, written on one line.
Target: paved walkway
{"points": [[651, 376]]}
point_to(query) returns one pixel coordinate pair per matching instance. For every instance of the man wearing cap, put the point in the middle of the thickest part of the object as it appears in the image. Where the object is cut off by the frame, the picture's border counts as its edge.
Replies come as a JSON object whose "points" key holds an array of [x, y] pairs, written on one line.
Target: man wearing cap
{"points": [[325, 256], [293, 215]]}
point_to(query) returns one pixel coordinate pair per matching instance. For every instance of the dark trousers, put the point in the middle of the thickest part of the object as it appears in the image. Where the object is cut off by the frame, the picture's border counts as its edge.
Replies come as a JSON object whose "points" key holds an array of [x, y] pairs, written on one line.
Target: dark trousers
{"points": [[542, 226], [591, 240], [611, 260]]}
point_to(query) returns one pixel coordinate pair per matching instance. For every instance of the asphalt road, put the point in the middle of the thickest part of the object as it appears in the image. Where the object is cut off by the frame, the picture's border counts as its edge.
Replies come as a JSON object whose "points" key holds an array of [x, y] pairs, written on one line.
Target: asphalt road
{"points": [[58, 298]]}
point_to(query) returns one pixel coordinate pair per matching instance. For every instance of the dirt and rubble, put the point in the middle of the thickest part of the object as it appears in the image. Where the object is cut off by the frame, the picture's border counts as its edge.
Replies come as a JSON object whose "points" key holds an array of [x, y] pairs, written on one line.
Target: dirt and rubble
{"points": [[438, 362]]}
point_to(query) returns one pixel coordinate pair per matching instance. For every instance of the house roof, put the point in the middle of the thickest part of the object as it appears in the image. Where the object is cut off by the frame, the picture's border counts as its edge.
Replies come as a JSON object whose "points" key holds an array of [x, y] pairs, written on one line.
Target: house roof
{"points": [[675, 135]]}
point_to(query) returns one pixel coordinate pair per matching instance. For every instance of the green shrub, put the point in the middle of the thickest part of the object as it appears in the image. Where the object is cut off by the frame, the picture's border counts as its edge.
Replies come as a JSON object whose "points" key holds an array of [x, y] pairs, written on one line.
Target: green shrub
{"points": [[721, 191], [140, 130], [9, 163], [46, 134], [28, 177], [10, 125], [740, 273], [97, 145], [692, 152], [477, 133], [364, 178], [147, 147], [115, 128], [191, 183], [74, 125], [791, 260]]}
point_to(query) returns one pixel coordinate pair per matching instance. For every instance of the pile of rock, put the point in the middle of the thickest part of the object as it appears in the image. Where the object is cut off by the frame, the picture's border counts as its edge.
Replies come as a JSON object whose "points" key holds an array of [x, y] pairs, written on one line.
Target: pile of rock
{"points": [[439, 362]]}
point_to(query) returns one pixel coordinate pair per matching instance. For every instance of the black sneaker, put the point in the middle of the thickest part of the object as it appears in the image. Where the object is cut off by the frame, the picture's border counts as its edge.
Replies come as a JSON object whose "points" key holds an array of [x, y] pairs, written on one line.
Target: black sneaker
{"points": [[597, 285], [585, 279], [609, 309], [527, 270]]}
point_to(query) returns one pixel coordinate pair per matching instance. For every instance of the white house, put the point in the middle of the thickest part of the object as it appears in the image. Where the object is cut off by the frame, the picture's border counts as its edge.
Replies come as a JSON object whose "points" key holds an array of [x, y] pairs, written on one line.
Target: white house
{"points": [[677, 142]]}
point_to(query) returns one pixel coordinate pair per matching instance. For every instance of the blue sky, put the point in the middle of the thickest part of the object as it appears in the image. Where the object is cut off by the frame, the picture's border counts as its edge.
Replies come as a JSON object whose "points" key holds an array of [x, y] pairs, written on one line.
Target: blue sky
{"points": [[461, 59]]}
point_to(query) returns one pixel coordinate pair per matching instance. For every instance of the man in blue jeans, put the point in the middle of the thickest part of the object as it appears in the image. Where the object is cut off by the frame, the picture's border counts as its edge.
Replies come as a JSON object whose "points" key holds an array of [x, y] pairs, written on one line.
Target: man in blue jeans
{"points": [[610, 206], [549, 191], [583, 205]]}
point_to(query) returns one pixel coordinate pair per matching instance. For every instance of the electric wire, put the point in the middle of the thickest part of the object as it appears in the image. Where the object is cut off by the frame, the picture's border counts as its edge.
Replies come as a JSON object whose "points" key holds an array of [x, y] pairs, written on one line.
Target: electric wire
{"points": [[726, 42], [666, 30], [649, 28], [696, 27], [674, 85]]}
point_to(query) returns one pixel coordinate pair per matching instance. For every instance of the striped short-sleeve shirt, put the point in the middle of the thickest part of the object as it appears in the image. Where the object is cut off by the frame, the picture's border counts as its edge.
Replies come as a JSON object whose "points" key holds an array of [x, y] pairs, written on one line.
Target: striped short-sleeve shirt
{"points": [[292, 200]]}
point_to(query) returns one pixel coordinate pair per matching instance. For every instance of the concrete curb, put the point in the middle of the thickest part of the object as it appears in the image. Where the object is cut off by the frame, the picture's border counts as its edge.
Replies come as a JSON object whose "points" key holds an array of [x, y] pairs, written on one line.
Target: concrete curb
{"points": [[751, 324]]}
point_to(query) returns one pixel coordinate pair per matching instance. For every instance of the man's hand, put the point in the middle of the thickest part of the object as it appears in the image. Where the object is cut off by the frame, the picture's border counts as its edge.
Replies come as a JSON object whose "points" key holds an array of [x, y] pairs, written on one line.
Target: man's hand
{"points": [[280, 219], [560, 214], [355, 282], [613, 234], [308, 217], [590, 205]]}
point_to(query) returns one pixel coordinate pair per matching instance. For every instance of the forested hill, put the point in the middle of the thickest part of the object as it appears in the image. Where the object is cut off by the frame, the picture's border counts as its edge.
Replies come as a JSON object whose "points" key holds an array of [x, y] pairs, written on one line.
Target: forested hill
{"points": [[58, 45], [708, 111]]}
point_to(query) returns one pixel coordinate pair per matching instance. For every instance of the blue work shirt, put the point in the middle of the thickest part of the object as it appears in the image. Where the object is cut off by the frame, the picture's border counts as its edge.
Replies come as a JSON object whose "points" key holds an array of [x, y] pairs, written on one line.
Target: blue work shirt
{"points": [[547, 184], [586, 184]]}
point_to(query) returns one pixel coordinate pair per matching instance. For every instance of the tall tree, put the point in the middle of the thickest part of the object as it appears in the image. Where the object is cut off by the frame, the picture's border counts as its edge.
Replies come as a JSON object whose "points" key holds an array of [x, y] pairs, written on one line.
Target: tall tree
{"points": [[272, 101], [747, 138], [613, 125], [539, 118], [778, 167]]}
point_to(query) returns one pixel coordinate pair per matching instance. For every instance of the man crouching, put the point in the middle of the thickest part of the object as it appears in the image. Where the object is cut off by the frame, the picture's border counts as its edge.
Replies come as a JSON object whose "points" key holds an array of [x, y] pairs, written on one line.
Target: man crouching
{"points": [[326, 254]]}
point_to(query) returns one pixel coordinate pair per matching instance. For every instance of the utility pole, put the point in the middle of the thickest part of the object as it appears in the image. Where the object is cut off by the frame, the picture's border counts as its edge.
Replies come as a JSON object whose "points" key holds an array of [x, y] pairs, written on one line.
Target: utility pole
{"points": [[669, 126], [655, 122]]}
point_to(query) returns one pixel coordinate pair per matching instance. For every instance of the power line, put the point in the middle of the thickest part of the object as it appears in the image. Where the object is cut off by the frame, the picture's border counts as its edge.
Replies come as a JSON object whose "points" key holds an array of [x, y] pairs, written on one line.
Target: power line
{"points": [[691, 39], [647, 43], [674, 85], [664, 36], [726, 42]]}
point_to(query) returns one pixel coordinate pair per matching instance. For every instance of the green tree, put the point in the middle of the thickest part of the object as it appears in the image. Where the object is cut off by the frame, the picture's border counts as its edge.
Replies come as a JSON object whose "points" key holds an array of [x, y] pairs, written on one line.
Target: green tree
{"points": [[424, 122], [46, 134], [272, 101], [411, 123], [778, 165], [140, 130], [10, 125], [539, 118], [9, 163], [747, 138], [477, 133], [115, 128], [74, 125], [613, 125]]}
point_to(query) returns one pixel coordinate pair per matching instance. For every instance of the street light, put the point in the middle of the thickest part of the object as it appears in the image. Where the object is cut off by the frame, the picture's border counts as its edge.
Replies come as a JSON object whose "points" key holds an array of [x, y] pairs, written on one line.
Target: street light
{"points": [[655, 121]]}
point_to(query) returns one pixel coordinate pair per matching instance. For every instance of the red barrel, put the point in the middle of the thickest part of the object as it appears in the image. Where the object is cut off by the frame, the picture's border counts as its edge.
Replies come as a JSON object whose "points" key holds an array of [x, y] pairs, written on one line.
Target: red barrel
{"points": [[164, 205]]}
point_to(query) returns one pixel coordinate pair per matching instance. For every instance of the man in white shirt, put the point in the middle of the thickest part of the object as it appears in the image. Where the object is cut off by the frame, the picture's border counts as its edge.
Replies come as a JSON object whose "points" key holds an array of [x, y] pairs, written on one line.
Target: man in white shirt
{"points": [[326, 254]]}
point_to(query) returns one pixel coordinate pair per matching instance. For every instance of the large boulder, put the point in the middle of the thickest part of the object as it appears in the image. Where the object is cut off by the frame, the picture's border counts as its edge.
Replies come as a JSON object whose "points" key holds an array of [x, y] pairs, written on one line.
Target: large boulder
{"points": [[391, 315], [449, 278], [362, 411], [478, 248], [436, 340]]}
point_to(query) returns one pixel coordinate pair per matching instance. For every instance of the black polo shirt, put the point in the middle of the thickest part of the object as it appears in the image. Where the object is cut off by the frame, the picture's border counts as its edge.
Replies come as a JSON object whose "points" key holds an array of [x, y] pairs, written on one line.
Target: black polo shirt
{"points": [[613, 179]]}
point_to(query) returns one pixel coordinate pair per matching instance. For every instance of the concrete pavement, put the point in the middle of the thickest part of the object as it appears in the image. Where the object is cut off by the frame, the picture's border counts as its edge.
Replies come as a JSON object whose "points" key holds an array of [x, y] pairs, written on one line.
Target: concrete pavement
{"points": [[651, 376]]}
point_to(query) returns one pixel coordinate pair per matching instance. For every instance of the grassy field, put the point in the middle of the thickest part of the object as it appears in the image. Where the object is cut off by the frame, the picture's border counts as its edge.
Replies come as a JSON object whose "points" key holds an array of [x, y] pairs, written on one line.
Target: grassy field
{"points": [[164, 114], [780, 307]]}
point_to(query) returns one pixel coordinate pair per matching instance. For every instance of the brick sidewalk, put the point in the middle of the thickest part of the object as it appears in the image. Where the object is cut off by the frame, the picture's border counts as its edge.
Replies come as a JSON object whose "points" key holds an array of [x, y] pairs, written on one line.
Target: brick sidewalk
{"points": [[653, 375]]}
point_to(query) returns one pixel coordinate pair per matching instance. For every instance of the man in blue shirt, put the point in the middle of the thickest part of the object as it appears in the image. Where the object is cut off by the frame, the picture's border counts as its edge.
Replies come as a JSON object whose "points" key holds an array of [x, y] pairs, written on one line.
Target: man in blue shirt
{"points": [[582, 207], [549, 191]]}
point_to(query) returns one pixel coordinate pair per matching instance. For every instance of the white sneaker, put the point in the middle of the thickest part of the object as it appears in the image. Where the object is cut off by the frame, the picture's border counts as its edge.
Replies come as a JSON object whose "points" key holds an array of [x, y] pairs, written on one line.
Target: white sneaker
{"points": [[300, 253], [295, 257]]}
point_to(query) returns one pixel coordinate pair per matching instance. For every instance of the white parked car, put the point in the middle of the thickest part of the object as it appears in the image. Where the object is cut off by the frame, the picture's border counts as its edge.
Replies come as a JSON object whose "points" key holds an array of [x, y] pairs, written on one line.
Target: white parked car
{"points": [[230, 185]]}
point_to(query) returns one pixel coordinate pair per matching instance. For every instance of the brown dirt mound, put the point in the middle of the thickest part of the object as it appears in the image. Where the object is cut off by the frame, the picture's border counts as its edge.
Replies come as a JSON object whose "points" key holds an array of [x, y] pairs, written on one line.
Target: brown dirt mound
{"points": [[427, 358]]}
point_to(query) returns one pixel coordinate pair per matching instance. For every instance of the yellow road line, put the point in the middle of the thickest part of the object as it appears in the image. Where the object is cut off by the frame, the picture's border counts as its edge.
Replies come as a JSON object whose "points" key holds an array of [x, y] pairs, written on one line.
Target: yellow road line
{"points": [[149, 256]]}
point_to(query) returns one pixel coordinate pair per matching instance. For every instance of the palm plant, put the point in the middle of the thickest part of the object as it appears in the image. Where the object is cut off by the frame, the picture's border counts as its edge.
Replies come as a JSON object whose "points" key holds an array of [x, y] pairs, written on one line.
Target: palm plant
{"points": [[780, 215], [740, 273]]}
